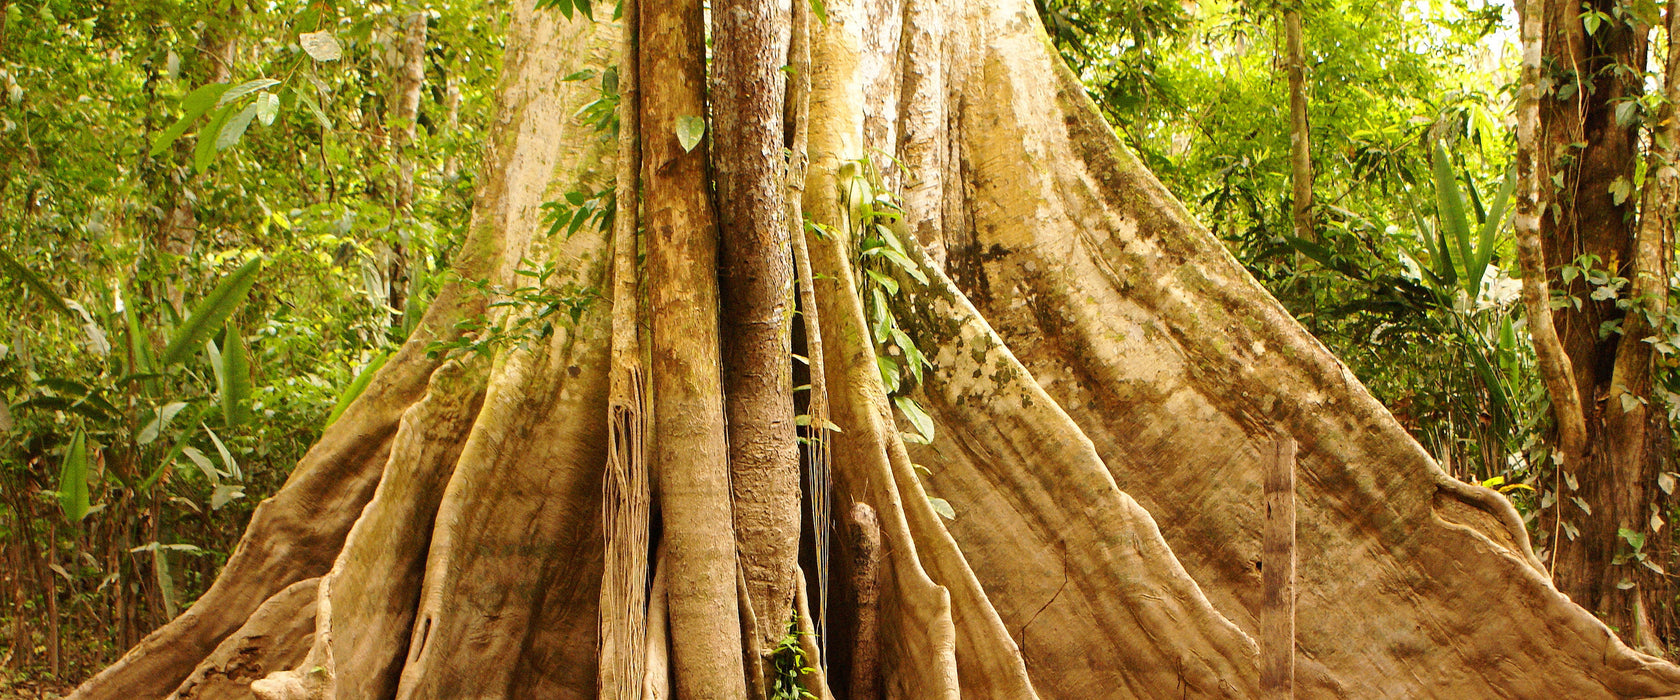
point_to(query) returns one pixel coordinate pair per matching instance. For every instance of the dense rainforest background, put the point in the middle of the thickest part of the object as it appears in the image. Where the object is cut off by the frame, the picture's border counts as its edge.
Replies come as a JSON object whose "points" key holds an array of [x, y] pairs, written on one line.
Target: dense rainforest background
{"points": [[282, 184]]}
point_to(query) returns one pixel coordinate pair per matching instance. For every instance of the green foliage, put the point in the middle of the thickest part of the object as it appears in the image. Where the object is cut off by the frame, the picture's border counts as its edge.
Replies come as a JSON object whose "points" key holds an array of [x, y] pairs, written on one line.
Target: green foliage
{"points": [[521, 315], [213, 311], [72, 478], [788, 663], [143, 180], [875, 225]]}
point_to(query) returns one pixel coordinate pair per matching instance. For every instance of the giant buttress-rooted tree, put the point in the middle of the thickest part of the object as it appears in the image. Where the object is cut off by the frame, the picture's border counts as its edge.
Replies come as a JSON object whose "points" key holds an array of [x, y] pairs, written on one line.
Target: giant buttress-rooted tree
{"points": [[1101, 385]]}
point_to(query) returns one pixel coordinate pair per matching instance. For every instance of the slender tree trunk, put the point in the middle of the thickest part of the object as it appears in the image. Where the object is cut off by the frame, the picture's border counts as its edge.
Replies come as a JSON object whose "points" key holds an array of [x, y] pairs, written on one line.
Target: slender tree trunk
{"points": [[451, 126], [1554, 363], [1300, 130], [55, 651], [690, 455], [217, 48], [409, 79], [757, 282]]}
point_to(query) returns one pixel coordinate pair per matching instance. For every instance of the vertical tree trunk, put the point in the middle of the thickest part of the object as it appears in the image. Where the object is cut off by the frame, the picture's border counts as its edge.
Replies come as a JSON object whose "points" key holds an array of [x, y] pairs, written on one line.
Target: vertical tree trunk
{"points": [[625, 498], [55, 659], [690, 456], [1300, 130], [409, 77], [757, 281], [1554, 363], [451, 126], [1635, 426], [1587, 150], [217, 44], [1277, 613]]}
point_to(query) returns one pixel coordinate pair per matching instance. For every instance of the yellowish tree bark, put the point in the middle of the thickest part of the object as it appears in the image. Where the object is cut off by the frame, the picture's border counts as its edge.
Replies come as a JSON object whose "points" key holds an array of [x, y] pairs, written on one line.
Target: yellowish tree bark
{"points": [[1105, 381]]}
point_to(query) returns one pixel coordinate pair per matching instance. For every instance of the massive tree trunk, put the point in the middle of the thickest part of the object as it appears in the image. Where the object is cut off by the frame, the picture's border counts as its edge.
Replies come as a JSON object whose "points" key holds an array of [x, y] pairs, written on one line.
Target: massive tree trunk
{"points": [[1104, 384], [1586, 169]]}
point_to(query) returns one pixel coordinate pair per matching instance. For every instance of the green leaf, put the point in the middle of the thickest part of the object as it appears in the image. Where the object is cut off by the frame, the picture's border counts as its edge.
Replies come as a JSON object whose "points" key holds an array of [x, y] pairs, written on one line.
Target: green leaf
{"points": [[165, 582], [356, 387], [314, 108], [140, 360], [889, 373], [820, 10], [235, 127], [73, 478], [28, 278], [904, 263], [268, 105], [1620, 190], [225, 493], [203, 464], [1582, 504], [919, 418], [564, 6], [177, 449], [160, 420], [1490, 228], [235, 384], [943, 508], [889, 283], [1449, 205], [912, 355], [246, 88], [227, 457], [205, 152], [195, 105], [689, 131], [1627, 112], [211, 312]]}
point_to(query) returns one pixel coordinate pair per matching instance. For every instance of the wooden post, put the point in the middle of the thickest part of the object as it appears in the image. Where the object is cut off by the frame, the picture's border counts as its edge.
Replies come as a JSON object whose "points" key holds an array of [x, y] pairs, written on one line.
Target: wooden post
{"points": [[1277, 576]]}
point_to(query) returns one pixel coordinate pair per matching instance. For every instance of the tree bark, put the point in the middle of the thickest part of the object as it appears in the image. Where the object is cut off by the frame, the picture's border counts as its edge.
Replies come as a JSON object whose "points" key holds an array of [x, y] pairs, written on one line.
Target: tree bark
{"points": [[1587, 151], [690, 455], [1554, 363], [409, 78], [1277, 578], [626, 500], [757, 285]]}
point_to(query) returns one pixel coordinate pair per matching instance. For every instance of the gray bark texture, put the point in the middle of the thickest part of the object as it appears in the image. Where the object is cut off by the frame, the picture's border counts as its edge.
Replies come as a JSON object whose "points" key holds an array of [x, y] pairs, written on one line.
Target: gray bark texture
{"points": [[1106, 383]]}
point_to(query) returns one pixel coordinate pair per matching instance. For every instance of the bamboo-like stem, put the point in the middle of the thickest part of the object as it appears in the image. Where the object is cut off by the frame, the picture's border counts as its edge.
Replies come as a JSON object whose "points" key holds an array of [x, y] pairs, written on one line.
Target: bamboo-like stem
{"points": [[1300, 143]]}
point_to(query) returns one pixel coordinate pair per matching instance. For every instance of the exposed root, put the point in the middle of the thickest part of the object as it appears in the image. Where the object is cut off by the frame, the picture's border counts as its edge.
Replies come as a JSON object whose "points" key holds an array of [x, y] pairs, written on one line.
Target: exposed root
{"points": [[656, 680], [276, 636], [866, 585], [815, 681]]}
